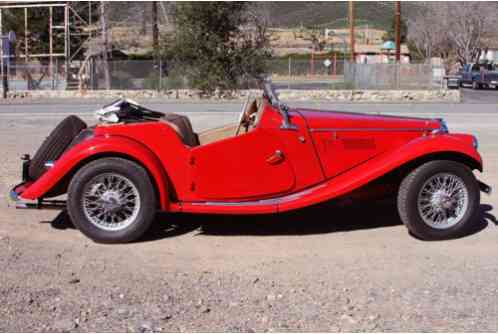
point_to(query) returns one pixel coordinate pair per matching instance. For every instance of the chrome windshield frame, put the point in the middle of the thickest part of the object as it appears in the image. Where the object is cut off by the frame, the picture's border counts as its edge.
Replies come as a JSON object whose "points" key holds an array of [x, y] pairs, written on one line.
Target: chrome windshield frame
{"points": [[269, 91]]}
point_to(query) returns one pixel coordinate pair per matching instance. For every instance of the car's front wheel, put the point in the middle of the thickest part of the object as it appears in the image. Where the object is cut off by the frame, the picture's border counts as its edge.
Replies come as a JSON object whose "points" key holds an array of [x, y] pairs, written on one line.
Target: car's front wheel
{"points": [[439, 200], [112, 200]]}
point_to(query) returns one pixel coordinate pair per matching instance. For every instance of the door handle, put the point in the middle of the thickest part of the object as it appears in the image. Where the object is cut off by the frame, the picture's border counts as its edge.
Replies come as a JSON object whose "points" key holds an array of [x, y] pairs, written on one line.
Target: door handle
{"points": [[275, 158]]}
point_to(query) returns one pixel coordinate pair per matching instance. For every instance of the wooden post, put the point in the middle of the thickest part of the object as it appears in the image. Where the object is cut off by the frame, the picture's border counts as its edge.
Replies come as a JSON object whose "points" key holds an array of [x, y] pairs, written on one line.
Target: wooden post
{"points": [[290, 72], [26, 47], [4, 74], [312, 63], [107, 76], [90, 18], [397, 28], [67, 46], [155, 31], [50, 45], [334, 68], [351, 30]]}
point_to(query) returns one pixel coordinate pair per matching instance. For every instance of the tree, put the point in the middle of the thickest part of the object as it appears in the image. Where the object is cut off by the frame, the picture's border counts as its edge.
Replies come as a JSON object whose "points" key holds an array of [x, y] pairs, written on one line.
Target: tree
{"points": [[467, 23], [452, 30], [216, 44], [426, 34]]}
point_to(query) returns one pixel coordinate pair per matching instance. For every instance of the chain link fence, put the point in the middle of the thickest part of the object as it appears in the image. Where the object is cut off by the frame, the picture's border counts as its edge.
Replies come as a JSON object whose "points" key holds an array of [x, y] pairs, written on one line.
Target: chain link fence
{"points": [[298, 67], [290, 72], [390, 76]]}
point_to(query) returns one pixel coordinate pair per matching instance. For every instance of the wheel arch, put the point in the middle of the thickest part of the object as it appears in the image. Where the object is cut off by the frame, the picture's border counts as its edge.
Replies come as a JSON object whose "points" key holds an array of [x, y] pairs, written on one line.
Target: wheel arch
{"points": [[63, 184], [392, 179], [460, 157], [55, 181], [397, 174]]}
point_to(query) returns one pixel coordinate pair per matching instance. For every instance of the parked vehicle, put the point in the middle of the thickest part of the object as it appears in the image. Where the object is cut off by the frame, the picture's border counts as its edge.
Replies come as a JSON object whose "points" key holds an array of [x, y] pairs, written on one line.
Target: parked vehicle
{"points": [[479, 76], [136, 162], [454, 81]]}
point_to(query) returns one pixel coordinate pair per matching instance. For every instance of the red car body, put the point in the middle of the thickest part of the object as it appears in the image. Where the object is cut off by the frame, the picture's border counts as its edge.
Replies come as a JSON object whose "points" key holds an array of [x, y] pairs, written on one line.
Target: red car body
{"points": [[325, 155]]}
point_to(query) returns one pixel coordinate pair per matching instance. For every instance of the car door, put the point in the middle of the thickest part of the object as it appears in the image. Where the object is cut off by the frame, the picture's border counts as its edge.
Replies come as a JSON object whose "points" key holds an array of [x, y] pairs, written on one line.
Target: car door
{"points": [[249, 166]]}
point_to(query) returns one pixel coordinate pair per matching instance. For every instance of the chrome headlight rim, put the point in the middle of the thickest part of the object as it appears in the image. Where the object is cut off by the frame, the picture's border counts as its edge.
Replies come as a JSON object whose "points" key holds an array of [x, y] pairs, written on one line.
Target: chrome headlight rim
{"points": [[475, 142], [443, 127]]}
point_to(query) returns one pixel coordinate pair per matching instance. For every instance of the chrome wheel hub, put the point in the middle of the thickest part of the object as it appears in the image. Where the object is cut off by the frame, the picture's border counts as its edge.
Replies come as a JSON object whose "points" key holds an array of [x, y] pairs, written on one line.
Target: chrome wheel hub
{"points": [[111, 202], [443, 200]]}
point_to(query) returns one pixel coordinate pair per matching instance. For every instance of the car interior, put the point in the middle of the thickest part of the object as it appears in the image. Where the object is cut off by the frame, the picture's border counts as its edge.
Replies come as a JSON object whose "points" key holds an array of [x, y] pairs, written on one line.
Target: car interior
{"points": [[248, 120]]}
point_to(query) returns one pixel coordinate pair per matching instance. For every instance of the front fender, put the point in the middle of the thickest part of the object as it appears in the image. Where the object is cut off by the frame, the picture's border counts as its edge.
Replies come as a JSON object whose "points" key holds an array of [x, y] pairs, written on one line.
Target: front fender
{"points": [[432, 145], [94, 148]]}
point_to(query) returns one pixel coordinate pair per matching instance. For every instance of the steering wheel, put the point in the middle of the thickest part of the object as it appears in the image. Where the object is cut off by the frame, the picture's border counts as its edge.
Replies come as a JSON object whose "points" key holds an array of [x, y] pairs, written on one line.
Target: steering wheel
{"points": [[243, 117]]}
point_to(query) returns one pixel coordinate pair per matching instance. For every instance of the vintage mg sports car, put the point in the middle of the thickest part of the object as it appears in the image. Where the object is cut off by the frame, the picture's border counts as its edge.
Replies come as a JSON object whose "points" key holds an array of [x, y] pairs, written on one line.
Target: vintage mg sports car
{"points": [[136, 162]]}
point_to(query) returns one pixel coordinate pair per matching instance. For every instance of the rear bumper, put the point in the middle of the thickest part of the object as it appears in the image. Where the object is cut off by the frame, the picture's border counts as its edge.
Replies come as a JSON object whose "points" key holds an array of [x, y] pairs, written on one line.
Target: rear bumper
{"points": [[484, 187], [15, 196]]}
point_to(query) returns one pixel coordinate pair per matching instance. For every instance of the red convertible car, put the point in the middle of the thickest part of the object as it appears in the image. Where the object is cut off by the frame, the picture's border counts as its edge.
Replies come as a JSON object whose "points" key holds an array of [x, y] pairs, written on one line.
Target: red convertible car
{"points": [[136, 162]]}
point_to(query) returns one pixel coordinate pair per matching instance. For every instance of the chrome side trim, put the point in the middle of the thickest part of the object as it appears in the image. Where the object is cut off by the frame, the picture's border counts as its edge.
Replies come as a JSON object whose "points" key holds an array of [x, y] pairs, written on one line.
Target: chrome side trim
{"points": [[270, 201], [372, 129], [49, 164], [248, 203]]}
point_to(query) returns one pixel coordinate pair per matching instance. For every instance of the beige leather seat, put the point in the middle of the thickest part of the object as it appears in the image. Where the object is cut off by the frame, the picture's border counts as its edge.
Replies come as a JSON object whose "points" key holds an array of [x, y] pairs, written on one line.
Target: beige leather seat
{"points": [[183, 127]]}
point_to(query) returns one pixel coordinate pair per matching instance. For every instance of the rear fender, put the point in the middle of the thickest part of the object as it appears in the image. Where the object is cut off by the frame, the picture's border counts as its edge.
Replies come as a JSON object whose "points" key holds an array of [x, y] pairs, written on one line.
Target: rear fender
{"points": [[101, 146]]}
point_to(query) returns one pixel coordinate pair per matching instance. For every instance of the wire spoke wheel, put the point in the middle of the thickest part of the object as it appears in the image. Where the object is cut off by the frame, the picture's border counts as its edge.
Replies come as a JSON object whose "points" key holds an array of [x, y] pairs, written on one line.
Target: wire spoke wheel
{"points": [[111, 201], [443, 200]]}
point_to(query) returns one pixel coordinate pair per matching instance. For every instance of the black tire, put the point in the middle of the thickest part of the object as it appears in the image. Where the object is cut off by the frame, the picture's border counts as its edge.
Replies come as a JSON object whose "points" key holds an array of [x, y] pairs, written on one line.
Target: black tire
{"points": [[408, 197], [55, 144], [134, 173]]}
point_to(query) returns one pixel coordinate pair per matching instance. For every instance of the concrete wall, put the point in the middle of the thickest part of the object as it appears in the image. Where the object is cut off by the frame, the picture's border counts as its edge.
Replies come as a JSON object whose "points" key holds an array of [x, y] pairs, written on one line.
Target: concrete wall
{"points": [[365, 96]]}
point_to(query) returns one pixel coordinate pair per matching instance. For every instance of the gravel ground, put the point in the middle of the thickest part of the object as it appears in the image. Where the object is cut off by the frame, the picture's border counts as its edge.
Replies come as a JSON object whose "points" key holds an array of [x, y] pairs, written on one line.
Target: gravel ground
{"points": [[352, 268]]}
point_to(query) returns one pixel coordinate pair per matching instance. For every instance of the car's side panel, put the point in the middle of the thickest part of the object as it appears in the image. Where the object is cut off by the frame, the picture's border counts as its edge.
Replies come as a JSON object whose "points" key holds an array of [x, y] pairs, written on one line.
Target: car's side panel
{"points": [[348, 181], [301, 151], [341, 150], [101, 146], [381, 165], [240, 167]]}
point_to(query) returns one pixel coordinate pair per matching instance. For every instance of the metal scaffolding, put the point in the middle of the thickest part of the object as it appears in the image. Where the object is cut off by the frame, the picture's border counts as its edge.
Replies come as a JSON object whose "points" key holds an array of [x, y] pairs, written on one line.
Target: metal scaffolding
{"points": [[72, 19]]}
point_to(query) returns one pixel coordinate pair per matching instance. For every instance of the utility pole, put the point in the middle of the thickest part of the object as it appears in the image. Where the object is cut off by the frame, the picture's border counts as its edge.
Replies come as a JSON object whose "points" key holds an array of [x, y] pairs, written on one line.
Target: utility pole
{"points": [[351, 30], [397, 29], [155, 31], [5, 82], [105, 64]]}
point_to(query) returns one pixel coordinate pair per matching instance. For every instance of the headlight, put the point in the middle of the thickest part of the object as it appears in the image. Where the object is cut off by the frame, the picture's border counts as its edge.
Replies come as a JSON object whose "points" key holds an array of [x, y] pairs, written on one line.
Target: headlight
{"points": [[475, 142]]}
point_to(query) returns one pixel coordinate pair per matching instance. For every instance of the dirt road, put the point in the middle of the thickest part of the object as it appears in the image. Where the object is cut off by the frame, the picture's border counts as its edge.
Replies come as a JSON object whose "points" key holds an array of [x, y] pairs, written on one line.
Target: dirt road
{"points": [[324, 269]]}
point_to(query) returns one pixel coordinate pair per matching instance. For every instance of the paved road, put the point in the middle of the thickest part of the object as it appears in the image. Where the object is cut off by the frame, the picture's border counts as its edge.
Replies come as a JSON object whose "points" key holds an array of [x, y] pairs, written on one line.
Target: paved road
{"points": [[326, 269], [481, 96]]}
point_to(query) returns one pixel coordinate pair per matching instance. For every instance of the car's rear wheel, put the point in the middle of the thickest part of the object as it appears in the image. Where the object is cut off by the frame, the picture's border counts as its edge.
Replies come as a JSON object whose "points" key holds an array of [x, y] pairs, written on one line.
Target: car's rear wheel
{"points": [[439, 200], [112, 200]]}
